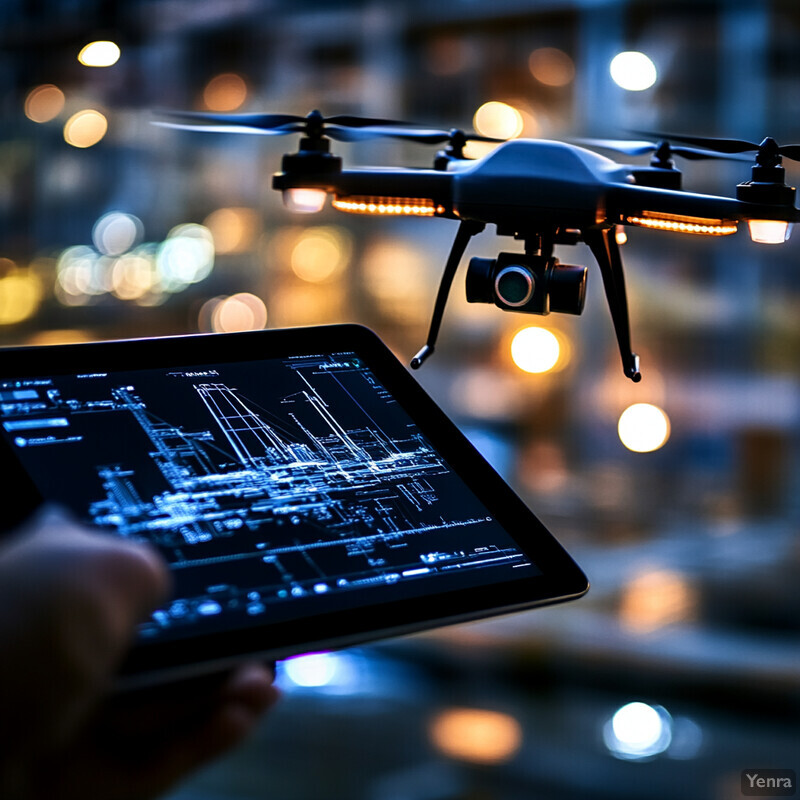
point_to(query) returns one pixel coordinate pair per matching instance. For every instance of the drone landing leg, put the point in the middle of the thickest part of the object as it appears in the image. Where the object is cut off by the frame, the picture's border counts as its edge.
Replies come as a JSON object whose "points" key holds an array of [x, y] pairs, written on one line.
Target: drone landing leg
{"points": [[466, 231], [603, 245]]}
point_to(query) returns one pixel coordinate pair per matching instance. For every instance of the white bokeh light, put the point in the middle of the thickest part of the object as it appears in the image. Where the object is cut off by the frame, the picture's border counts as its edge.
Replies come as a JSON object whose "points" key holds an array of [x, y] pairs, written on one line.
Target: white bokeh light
{"points": [[116, 232], [633, 71], [99, 54], [638, 730], [535, 349], [185, 257], [643, 428], [498, 120], [315, 669]]}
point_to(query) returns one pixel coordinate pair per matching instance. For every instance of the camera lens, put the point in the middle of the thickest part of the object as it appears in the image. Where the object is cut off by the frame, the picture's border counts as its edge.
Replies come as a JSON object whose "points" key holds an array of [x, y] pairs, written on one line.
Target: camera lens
{"points": [[514, 285], [567, 288]]}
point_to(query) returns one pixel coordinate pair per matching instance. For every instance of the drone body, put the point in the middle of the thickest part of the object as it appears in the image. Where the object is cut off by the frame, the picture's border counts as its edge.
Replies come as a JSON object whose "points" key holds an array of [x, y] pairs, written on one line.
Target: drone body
{"points": [[541, 192]]}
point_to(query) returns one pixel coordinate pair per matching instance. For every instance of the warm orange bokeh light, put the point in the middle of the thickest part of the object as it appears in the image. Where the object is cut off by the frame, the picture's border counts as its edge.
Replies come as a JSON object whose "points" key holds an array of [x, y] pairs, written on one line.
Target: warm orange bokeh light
{"points": [[239, 312], [498, 120], [477, 735], [655, 599], [44, 103], [234, 229], [21, 293], [225, 92], [320, 253], [551, 66], [85, 128]]}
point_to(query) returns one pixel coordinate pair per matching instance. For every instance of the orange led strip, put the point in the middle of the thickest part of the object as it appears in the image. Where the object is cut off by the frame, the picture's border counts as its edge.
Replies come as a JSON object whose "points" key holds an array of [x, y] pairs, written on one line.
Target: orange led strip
{"points": [[397, 206], [683, 224]]}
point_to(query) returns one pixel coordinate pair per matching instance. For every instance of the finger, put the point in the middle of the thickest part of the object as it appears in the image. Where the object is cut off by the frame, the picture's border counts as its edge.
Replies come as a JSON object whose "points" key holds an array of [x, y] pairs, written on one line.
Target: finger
{"points": [[143, 762], [251, 684], [56, 553], [244, 698], [170, 754], [230, 723], [179, 705]]}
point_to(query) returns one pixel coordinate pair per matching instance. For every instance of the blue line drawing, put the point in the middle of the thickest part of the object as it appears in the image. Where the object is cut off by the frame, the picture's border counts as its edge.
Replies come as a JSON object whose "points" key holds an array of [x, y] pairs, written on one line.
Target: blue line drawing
{"points": [[310, 495]]}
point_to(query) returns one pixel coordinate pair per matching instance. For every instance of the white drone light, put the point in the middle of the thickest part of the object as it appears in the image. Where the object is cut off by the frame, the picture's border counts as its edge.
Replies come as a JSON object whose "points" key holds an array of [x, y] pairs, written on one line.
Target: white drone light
{"points": [[304, 201], [769, 231]]}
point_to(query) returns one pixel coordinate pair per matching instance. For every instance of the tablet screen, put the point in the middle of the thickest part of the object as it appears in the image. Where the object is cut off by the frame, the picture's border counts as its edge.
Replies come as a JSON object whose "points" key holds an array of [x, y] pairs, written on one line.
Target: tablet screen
{"points": [[276, 488]]}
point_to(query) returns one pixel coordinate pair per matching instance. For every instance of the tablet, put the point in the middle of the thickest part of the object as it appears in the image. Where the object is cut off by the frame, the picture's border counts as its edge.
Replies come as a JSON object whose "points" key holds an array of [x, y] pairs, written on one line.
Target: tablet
{"points": [[305, 491]]}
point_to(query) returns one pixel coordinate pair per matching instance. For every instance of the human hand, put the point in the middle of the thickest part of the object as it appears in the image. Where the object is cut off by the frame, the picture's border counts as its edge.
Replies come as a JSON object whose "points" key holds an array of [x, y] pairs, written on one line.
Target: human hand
{"points": [[70, 600]]}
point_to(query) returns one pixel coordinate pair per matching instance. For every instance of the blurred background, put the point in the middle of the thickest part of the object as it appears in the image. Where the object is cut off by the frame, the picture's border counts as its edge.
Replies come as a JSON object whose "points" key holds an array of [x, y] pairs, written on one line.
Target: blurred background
{"points": [[679, 496]]}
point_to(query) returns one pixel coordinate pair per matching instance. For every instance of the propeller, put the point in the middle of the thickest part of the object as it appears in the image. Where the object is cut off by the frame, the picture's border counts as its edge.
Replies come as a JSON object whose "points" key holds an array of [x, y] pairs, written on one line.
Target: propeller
{"points": [[768, 150], [270, 123], [342, 128], [663, 149]]}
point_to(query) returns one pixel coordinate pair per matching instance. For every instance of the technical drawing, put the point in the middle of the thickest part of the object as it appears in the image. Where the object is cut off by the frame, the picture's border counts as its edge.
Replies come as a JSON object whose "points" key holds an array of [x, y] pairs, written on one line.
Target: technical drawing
{"points": [[314, 481]]}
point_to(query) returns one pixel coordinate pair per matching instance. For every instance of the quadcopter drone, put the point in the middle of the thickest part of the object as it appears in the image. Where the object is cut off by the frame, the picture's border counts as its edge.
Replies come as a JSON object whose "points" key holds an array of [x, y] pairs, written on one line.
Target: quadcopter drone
{"points": [[544, 193]]}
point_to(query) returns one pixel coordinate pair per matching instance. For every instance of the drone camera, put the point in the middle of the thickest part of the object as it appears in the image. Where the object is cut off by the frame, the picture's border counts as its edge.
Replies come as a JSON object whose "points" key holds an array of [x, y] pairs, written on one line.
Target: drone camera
{"points": [[531, 284]]}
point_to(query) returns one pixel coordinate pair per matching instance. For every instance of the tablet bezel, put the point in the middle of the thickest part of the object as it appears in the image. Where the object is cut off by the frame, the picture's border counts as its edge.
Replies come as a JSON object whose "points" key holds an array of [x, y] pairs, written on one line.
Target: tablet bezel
{"points": [[156, 661]]}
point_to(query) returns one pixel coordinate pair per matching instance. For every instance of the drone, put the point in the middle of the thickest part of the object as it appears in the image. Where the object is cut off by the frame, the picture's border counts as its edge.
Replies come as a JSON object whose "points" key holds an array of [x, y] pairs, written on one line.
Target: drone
{"points": [[543, 193]]}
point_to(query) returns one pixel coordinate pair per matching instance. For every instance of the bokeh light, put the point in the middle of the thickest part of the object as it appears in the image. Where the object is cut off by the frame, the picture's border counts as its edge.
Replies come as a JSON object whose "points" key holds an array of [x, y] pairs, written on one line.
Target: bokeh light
{"points": [[535, 349], [185, 257], [133, 276], [192, 230], [20, 294], [145, 273], [116, 232], [225, 92], [234, 230], [551, 66], [44, 103], [476, 150], [477, 735], [99, 54], [498, 120], [76, 275], [320, 253], [308, 303], [239, 312], [312, 670], [643, 428], [638, 731], [656, 598], [60, 336], [85, 128], [633, 71], [395, 273]]}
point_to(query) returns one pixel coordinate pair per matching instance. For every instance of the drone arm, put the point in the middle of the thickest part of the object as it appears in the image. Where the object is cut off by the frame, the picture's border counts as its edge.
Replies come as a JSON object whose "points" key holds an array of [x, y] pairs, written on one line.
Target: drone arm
{"points": [[466, 231], [604, 246]]}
